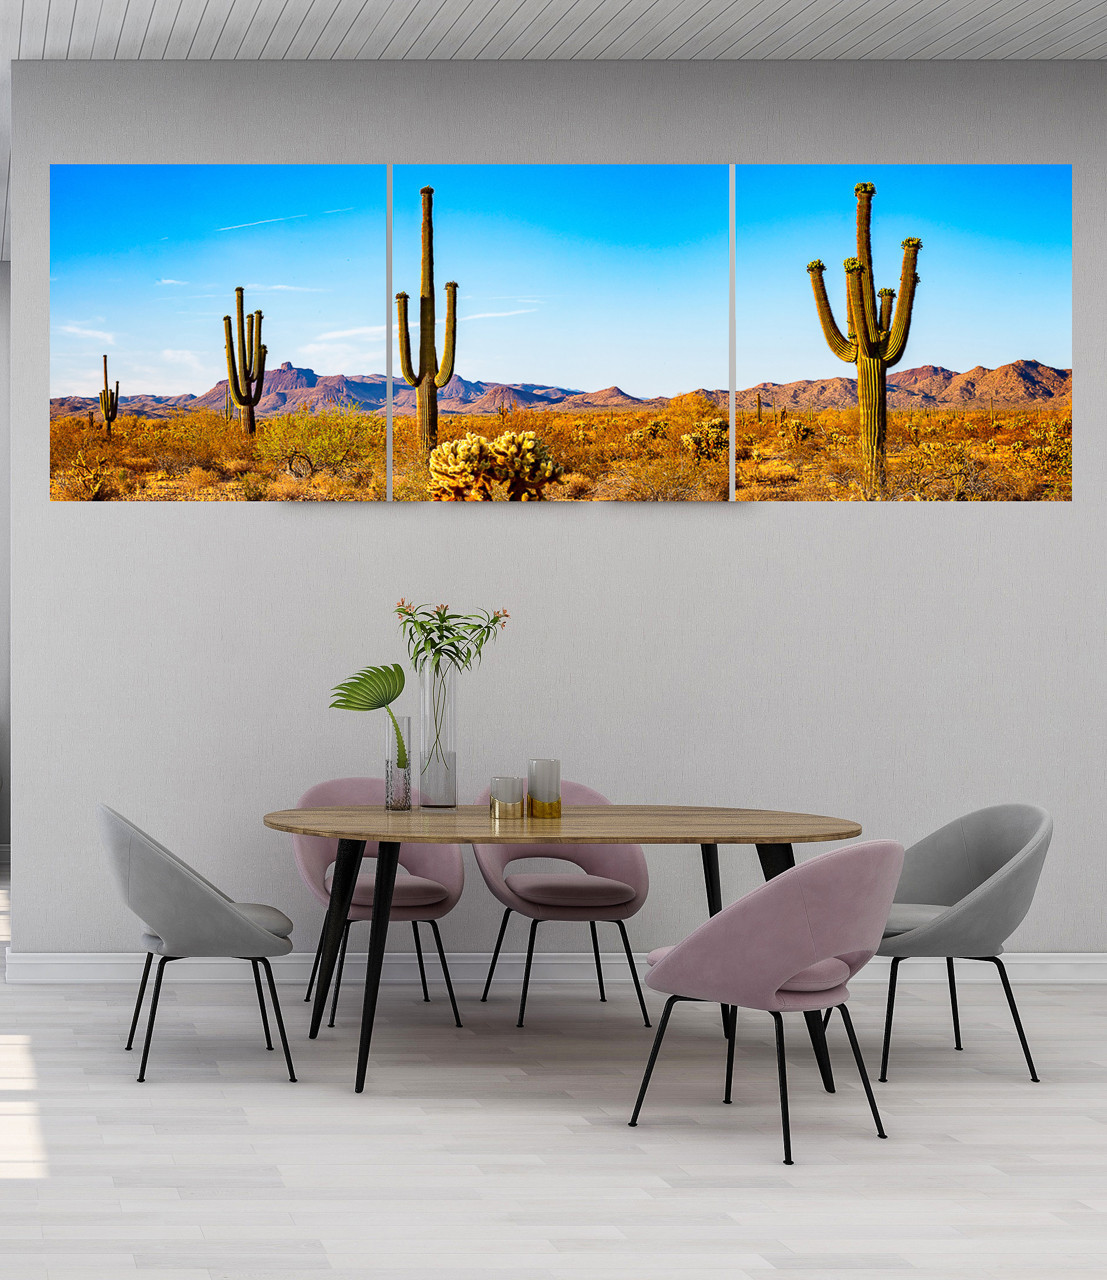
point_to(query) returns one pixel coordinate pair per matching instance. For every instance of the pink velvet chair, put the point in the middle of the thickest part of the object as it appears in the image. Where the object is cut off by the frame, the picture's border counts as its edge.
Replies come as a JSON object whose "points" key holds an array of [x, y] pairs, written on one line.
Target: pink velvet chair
{"points": [[790, 945], [428, 883], [611, 884]]}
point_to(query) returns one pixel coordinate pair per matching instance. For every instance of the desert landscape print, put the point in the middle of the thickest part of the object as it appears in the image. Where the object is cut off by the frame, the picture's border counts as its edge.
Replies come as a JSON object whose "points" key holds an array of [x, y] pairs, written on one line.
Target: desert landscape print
{"points": [[560, 333], [904, 332]]}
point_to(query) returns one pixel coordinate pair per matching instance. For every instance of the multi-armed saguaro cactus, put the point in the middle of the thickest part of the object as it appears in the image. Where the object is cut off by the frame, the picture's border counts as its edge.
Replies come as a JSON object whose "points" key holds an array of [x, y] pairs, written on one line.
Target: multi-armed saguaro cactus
{"points": [[430, 375], [109, 401], [244, 380], [875, 338]]}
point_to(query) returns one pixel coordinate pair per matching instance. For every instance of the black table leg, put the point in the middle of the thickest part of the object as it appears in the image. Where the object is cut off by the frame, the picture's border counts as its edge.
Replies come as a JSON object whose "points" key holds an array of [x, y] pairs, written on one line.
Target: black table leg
{"points": [[776, 858], [347, 864], [713, 885], [388, 857]]}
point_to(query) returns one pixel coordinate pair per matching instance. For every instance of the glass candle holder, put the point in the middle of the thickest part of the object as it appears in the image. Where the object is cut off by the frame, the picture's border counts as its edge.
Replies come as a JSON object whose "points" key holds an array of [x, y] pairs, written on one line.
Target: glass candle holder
{"points": [[505, 799], [397, 763], [544, 788]]}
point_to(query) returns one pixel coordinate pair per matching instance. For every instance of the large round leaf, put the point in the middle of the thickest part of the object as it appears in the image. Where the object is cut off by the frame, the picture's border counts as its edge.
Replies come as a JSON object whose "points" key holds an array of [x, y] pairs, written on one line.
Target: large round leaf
{"points": [[370, 690]]}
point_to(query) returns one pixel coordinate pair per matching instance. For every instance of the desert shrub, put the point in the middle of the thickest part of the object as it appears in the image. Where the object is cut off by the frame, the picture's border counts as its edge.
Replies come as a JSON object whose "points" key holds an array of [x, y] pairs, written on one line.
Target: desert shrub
{"points": [[708, 441], [305, 443], [470, 469]]}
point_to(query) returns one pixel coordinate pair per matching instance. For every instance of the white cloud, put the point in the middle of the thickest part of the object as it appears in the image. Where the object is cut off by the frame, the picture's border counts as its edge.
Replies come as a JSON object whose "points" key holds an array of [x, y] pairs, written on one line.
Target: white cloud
{"points": [[261, 222], [167, 280], [80, 332], [190, 359], [365, 331], [495, 315]]}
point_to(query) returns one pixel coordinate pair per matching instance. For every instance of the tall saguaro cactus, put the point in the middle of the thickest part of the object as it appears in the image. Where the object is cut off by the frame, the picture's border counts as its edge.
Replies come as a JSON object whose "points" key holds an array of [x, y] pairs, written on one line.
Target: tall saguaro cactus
{"points": [[109, 401], [875, 338], [245, 379], [430, 376]]}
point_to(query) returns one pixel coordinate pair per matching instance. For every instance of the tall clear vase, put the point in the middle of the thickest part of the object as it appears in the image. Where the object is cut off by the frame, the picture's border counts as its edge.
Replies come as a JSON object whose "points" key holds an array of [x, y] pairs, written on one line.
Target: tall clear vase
{"points": [[438, 751]]}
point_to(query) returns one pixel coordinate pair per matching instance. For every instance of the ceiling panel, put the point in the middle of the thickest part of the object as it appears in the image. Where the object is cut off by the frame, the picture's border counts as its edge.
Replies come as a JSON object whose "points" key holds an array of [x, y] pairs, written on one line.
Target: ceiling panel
{"points": [[539, 30]]}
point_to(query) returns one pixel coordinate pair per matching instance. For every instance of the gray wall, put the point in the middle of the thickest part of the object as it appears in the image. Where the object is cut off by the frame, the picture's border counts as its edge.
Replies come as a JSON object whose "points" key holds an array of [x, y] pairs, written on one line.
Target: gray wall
{"points": [[896, 665], [5, 575]]}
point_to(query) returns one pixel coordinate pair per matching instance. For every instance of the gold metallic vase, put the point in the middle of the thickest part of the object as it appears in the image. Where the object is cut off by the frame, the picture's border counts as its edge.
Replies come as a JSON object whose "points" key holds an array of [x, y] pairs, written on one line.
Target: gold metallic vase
{"points": [[544, 808], [502, 809]]}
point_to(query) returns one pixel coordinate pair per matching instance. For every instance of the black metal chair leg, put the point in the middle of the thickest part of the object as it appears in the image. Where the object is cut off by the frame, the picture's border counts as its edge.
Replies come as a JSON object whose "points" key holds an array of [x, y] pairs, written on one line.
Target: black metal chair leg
{"points": [[315, 964], [861, 1069], [731, 1037], [661, 1026], [888, 1019], [526, 972], [633, 972], [261, 1005], [338, 972], [816, 1030], [953, 1002], [1014, 1012], [277, 1015], [419, 957], [141, 993], [496, 954], [782, 1078], [153, 1014], [596, 953], [445, 970]]}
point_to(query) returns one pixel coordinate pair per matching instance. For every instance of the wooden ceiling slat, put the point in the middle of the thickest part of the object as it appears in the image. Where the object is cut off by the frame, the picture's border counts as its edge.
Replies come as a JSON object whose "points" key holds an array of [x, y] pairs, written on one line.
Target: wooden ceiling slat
{"points": [[652, 26], [163, 19], [613, 26], [803, 30], [879, 25], [32, 29], [314, 24], [470, 44], [443, 37], [528, 22], [260, 28], [420, 14], [908, 40], [390, 21], [981, 38], [736, 32], [205, 35], [335, 28], [122, 28], [564, 27], [677, 36], [229, 39], [82, 32], [1075, 30], [59, 29], [362, 28], [284, 30]]}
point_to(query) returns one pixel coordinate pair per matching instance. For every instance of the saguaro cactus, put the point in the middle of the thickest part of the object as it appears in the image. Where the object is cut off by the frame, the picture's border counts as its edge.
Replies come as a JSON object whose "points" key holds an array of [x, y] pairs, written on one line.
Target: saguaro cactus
{"points": [[430, 375], [875, 338], [109, 401], [245, 379]]}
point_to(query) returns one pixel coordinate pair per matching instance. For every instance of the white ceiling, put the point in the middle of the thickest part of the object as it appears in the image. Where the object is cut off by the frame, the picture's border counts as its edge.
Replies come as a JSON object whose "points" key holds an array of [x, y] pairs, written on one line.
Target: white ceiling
{"points": [[539, 29]]}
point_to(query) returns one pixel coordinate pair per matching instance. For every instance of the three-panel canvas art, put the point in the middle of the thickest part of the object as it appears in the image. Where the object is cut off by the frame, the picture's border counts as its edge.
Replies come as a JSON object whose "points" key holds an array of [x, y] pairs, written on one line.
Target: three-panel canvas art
{"points": [[565, 333]]}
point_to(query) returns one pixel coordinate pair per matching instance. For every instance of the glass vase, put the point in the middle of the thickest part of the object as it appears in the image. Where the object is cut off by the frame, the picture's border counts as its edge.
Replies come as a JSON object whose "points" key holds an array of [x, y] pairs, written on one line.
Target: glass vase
{"points": [[397, 763], [438, 755]]}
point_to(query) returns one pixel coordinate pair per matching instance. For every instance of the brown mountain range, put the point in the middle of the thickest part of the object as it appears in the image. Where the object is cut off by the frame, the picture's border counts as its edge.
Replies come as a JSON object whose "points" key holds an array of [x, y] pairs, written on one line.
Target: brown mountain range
{"points": [[288, 388]]}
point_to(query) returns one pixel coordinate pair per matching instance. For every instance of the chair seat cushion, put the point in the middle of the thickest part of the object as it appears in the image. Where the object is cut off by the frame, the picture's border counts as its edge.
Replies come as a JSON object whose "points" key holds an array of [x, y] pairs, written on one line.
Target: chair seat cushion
{"points": [[658, 953], [553, 890], [410, 891], [905, 916], [821, 976], [266, 917]]}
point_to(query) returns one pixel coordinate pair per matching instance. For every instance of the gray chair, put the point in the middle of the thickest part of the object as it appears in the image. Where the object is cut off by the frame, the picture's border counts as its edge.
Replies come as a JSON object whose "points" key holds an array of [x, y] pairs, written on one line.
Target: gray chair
{"points": [[186, 915], [963, 892]]}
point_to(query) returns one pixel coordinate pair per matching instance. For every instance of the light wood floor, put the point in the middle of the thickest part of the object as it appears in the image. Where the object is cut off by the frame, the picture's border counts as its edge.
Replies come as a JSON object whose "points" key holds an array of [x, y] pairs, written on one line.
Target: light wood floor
{"points": [[494, 1152]]}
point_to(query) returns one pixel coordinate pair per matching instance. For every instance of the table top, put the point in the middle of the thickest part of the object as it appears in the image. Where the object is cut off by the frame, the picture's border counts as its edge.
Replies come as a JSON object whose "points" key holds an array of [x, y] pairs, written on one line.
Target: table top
{"points": [[578, 824]]}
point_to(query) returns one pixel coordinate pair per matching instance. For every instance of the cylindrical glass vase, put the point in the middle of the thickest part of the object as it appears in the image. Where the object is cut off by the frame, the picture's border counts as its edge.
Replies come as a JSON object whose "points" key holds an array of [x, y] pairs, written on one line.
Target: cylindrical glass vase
{"points": [[437, 725], [397, 763]]}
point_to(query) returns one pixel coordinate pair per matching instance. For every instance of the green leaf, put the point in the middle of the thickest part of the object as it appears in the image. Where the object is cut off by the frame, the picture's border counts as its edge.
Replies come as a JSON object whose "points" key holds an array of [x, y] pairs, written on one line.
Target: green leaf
{"points": [[370, 690]]}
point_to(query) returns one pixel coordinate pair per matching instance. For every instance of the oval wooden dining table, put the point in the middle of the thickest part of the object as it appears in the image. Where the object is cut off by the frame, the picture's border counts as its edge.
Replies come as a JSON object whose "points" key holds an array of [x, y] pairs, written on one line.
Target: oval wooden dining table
{"points": [[771, 832]]}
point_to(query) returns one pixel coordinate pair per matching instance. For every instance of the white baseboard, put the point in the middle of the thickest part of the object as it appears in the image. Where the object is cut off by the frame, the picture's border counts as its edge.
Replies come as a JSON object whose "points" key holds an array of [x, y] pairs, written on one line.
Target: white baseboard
{"points": [[470, 967]]}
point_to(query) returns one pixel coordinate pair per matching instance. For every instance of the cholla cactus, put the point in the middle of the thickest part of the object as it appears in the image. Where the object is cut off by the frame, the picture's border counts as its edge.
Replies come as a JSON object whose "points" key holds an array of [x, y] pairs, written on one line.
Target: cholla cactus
{"points": [[465, 470], [461, 470], [708, 441], [522, 462], [657, 429], [875, 338]]}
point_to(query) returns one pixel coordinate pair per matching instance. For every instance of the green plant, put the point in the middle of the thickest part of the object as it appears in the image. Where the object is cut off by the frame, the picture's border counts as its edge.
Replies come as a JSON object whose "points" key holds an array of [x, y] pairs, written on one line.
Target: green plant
{"points": [[430, 376], [465, 470], [875, 339], [438, 639], [245, 379], [370, 690], [109, 402]]}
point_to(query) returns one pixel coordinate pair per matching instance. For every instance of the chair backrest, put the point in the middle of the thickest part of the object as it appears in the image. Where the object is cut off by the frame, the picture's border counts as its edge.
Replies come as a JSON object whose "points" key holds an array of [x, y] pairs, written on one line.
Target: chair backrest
{"points": [[984, 866], [188, 913], [623, 862], [314, 854], [833, 906]]}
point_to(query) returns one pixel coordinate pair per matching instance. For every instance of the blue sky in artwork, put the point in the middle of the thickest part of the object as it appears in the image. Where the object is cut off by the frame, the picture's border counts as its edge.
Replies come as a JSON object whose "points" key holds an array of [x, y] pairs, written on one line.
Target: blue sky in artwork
{"points": [[995, 268], [582, 276], [144, 260]]}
